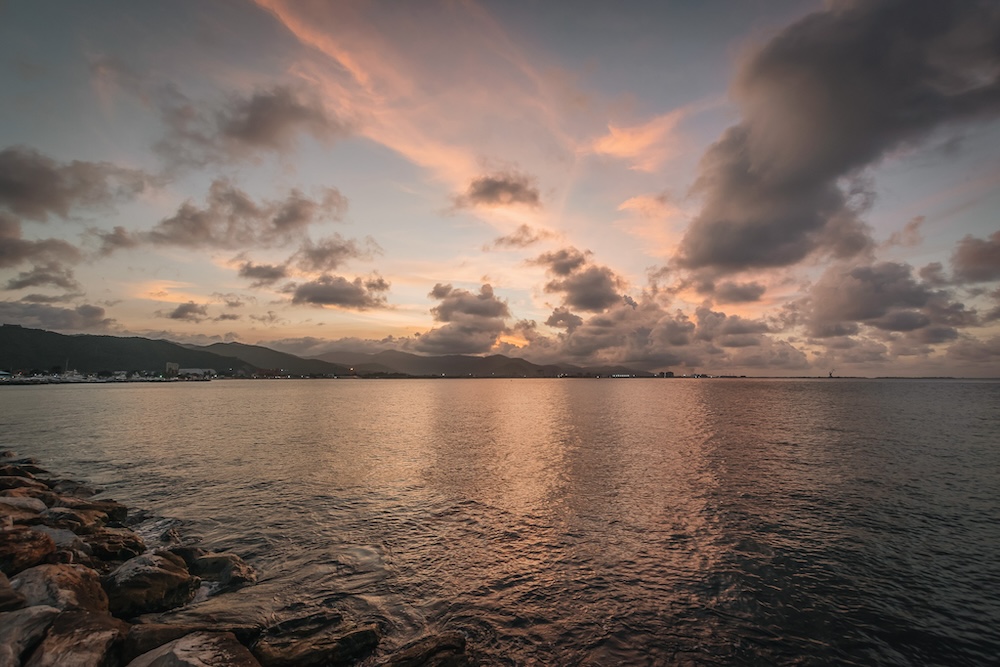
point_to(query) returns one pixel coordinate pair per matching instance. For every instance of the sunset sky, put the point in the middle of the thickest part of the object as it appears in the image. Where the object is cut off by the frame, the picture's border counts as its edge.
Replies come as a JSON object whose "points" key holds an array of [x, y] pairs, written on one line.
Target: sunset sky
{"points": [[758, 187]]}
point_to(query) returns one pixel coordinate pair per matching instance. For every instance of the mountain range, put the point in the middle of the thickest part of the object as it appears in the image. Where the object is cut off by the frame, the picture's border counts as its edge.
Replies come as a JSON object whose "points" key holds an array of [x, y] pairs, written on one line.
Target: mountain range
{"points": [[37, 350]]}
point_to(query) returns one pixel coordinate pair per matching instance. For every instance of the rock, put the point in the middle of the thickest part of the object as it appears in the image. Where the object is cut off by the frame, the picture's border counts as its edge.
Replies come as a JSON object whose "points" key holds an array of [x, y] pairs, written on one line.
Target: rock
{"points": [[145, 637], [9, 598], [18, 482], [229, 570], [112, 509], [22, 630], [12, 514], [63, 538], [75, 519], [442, 650], [70, 487], [150, 583], [65, 587], [199, 649], [113, 543], [326, 647], [22, 547], [243, 612], [50, 499], [15, 471], [33, 504], [80, 639]]}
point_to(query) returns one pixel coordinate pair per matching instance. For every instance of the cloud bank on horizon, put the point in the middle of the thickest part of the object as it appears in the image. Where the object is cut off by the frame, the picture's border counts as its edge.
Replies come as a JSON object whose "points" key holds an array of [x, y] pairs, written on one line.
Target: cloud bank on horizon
{"points": [[778, 190]]}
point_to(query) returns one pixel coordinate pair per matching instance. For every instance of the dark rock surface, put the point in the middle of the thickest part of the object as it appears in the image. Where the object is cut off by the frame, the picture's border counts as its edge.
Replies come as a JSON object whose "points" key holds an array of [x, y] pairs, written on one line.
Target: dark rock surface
{"points": [[65, 587], [80, 639], [332, 646], [21, 548], [22, 630], [150, 583], [442, 650], [199, 649], [9, 598]]}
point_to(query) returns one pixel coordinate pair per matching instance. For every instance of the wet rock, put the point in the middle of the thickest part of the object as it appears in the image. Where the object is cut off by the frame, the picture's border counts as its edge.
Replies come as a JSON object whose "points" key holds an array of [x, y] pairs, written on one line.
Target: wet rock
{"points": [[75, 519], [22, 630], [12, 513], [145, 637], [9, 598], [198, 649], [15, 471], [70, 487], [80, 639], [18, 482], [229, 570], [63, 538], [48, 497], [65, 587], [441, 650], [325, 647], [115, 544], [112, 509], [21, 548], [150, 583], [33, 504]]}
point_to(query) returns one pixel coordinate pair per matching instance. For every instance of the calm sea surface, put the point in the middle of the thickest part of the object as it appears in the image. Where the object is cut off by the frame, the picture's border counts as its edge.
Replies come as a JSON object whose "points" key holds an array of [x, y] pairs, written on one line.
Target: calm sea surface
{"points": [[576, 522]]}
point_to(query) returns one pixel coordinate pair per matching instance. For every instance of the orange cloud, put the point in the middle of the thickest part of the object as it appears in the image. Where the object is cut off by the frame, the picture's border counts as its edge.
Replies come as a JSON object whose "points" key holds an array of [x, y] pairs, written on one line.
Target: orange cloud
{"points": [[646, 146]]}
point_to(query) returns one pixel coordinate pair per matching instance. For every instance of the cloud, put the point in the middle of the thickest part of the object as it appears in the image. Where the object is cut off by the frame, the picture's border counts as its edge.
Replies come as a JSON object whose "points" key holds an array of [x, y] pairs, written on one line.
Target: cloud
{"points": [[645, 146], [331, 252], [562, 262], [262, 275], [15, 250], [269, 119], [522, 237], [562, 318], [732, 292], [338, 291], [909, 236], [504, 188], [231, 219], [189, 312], [827, 97], [47, 274], [591, 289], [977, 260], [51, 298], [35, 186], [118, 238], [36, 315], [473, 321]]}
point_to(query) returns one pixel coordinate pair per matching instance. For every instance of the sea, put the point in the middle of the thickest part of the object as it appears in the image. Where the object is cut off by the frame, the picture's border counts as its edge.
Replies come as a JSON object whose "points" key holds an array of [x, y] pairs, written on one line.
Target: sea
{"points": [[574, 521]]}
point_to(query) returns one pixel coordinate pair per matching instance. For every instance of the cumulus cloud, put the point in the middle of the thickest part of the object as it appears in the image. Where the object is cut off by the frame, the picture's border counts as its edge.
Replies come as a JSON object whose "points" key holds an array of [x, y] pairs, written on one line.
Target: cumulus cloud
{"points": [[262, 275], [332, 252], [591, 289], [732, 292], [118, 238], [562, 262], [563, 318], [472, 321], [42, 316], [522, 237], [357, 294], [977, 260], [827, 97], [15, 250], [34, 186], [47, 274], [505, 188], [231, 219], [189, 312]]}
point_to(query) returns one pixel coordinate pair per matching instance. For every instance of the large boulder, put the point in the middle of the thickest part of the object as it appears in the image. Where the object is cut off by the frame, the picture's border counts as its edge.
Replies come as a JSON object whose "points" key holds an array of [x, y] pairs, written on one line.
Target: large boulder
{"points": [[19, 482], [199, 649], [446, 649], [22, 630], [17, 511], [9, 598], [65, 587], [71, 487], [145, 637], [333, 646], [150, 583], [80, 639], [21, 547], [75, 519]]}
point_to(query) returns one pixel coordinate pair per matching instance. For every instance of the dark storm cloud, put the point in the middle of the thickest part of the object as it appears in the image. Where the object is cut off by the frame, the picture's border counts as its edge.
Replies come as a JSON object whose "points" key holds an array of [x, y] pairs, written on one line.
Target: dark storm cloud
{"points": [[189, 312], [473, 321], [828, 96], [977, 260], [730, 292], [562, 262], [976, 351], [504, 188], [357, 294], [35, 186], [37, 315], [262, 275], [15, 250], [591, 289], [332, 252], [562, 318], [53, 274], [522, 237], [231, 219]]}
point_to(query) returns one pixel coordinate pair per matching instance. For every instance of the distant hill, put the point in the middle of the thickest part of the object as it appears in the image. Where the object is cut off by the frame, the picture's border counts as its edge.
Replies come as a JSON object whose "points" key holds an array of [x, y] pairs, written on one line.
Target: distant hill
{"points": [[266, 358], [35, 349], [460, 365]]}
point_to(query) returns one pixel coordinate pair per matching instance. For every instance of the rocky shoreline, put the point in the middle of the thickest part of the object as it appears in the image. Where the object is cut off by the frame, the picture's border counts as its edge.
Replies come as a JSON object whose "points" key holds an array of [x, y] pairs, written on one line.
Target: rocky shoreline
{"points": [[79, 586]]}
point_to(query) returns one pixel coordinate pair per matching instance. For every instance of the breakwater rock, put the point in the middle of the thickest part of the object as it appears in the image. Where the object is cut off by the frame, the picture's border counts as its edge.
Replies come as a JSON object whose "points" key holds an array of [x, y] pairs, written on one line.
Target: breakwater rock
{"points": [[79, 586]]}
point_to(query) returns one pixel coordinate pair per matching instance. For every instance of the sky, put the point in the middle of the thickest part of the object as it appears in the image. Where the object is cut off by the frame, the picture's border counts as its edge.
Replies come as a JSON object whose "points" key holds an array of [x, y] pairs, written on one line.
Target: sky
{"points": [[773, 187]]}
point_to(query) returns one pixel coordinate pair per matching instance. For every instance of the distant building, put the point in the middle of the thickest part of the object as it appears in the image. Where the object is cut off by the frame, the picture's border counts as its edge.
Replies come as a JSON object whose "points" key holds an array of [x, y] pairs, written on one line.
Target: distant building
{"points": [[666, 374], [197, 372], [172, 369]]}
